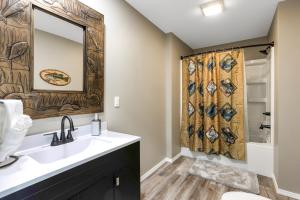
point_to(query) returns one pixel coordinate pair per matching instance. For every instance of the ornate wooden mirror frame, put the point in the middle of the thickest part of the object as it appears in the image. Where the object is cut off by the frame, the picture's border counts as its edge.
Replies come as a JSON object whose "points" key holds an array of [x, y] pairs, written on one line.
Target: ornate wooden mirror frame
{"points": [[16, 58]]}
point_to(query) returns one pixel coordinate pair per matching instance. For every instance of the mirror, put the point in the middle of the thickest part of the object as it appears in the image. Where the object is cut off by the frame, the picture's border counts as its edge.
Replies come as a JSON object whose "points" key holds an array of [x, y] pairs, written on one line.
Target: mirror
{"points": [[51, 79], [58, 53]]}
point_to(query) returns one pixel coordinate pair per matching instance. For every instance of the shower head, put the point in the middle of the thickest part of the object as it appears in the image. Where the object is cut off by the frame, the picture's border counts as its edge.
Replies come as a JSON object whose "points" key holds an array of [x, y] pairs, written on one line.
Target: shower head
{"points": [[266, 51]]}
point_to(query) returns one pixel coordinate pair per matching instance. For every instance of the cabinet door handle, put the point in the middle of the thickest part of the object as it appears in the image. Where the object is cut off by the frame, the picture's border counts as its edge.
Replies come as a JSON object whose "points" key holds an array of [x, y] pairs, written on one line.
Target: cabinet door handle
{"points": [[117, 181]]}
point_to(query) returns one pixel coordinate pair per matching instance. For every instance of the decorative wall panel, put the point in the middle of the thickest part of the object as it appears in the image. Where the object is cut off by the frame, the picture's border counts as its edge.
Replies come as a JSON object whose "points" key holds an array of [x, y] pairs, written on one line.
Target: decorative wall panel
{"points": [[16, 58]]}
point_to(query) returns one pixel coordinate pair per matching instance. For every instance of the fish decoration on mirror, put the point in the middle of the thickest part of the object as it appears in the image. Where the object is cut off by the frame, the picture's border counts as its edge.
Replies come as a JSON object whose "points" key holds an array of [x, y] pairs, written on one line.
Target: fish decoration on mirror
{"points": [[55, 77]]}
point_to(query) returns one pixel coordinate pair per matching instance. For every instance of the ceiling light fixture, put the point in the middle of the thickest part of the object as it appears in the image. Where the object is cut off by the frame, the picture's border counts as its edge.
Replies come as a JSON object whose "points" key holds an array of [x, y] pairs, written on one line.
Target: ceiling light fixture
{"points": [[212, 8]]}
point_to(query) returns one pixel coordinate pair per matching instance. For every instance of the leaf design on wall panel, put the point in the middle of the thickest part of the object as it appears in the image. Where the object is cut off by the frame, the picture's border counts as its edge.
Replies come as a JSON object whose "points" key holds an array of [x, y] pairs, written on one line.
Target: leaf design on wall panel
{"points": [[13, 8], [60, 2], [17, 49], [92, 64], [94, 40], [2, 18], [88, 14], [10, 90], [2, 76], [51, 2]]}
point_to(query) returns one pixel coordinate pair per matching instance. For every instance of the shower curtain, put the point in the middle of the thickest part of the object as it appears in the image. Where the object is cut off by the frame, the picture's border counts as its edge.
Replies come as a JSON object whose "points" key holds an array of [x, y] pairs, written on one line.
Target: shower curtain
{"points": [[213, 103]]}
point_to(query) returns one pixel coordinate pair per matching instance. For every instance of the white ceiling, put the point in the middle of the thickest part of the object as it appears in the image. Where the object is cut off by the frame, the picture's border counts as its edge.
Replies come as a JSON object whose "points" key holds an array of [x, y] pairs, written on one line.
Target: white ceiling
{"points": [[241, 20]]}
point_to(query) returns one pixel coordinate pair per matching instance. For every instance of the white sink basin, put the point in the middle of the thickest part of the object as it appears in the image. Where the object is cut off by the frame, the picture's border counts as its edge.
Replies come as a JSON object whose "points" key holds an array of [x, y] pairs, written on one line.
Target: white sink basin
{"points": [[50, 154]]}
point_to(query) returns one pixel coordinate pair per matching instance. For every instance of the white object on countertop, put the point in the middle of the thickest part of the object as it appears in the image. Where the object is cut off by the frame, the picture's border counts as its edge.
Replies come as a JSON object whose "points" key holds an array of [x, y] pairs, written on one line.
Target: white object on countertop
{"points": [[96, 126], [242, 195], [13, 127]]}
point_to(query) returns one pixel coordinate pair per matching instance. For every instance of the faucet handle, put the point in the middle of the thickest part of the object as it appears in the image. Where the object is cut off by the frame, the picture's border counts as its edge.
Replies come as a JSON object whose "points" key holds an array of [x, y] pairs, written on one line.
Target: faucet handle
{"points": [[69, 136], [55, 140]]}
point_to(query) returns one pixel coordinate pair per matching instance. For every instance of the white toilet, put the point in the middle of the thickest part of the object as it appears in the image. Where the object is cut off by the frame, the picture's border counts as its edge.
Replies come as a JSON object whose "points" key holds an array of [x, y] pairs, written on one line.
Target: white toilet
{"points": [[242, 196]]}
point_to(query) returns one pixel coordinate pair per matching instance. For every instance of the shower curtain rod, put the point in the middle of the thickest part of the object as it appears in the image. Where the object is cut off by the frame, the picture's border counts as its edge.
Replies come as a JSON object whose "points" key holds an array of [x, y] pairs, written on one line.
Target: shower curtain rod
{"points": [[232, 48]]}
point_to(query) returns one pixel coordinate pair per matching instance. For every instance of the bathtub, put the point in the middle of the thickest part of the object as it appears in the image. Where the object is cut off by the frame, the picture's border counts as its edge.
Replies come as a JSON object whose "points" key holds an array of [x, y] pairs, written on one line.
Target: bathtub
{"points": [[259, 158]]}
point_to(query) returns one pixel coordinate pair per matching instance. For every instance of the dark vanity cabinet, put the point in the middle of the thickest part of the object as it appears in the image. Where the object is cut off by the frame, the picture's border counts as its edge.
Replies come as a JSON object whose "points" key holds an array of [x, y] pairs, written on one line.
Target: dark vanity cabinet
{"points": [[115, 176]]}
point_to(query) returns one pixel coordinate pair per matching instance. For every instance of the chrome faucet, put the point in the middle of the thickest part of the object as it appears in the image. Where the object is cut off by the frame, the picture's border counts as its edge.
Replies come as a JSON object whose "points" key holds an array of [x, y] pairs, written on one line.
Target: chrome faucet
{"points": [[63, 138]]}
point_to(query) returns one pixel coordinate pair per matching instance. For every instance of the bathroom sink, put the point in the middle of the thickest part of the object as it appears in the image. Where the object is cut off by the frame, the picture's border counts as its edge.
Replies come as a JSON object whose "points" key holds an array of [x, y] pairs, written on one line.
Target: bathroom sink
{"points": [[51, 154]]}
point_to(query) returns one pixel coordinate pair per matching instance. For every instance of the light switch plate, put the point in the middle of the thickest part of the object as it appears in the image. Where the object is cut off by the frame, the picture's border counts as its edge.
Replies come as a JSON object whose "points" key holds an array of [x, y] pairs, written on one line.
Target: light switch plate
{"points": [[117, 102]]}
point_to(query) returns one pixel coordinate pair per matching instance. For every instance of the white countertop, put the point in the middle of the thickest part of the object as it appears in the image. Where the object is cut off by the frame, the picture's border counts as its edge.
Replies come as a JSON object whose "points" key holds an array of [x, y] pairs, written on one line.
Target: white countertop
{"points": [[27, 171]]}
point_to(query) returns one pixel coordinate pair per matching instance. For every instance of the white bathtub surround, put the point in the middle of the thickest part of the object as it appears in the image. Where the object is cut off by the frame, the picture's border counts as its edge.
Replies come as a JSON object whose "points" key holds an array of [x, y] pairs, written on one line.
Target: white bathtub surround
{"points": [[258, 81], [229, 176], [13, 128], [33, 167]]}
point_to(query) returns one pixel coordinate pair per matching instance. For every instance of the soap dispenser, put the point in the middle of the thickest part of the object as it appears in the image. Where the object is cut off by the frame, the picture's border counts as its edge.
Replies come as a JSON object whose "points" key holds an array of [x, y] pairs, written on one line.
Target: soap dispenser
{"points": [[96, 126]]}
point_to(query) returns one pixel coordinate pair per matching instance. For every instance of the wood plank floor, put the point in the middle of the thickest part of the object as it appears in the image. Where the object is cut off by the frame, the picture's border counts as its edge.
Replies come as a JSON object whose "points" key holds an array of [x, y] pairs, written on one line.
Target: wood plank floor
{"points": [[172, 182]]}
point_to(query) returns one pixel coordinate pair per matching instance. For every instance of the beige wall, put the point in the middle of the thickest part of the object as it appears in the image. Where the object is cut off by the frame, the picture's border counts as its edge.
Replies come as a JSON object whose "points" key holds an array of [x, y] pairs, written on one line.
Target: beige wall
{"points": [[250, 53], [136, 57], [135, 71], [286, 34], [56, 52], [175, 49]]}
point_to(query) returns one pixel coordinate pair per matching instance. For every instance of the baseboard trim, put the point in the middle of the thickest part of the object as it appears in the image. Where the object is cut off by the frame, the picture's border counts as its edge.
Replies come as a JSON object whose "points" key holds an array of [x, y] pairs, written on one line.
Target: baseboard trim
{"points": [[171, 160], [153, 169], [285, 192], [158, 165]]}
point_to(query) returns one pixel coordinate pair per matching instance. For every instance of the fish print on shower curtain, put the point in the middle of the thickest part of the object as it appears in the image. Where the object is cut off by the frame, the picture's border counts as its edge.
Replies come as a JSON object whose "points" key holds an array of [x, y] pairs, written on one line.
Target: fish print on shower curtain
{"points": [[213, 103]]}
